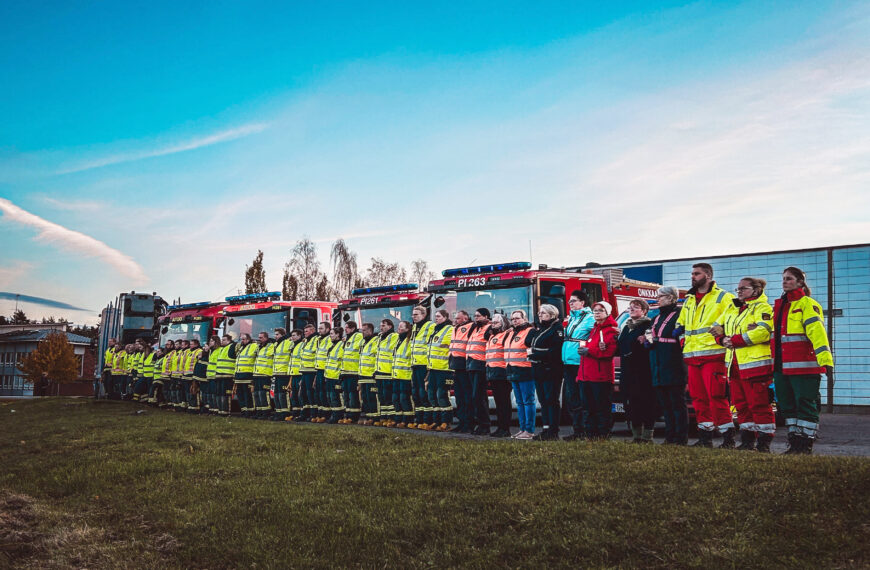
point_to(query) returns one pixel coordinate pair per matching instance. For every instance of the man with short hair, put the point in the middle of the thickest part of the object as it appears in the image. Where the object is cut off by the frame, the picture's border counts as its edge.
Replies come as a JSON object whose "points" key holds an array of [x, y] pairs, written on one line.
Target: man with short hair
{"points": [[308, 374], [420, 334], [264, 367], [281, 374], [224, 372], [353, 343], [243, 387], [294, 385], [475, 364], [388, 339], [368, 360], [108, 358], [324, 344], [705, 358]]}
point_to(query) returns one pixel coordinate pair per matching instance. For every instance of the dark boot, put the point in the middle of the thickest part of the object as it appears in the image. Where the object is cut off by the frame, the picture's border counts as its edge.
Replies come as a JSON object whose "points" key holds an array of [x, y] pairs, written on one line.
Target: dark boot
{"points": [[705, 439], [763, 444], [807, 447], [793, 444], [635, 433], [747, 440], [727, 439]]}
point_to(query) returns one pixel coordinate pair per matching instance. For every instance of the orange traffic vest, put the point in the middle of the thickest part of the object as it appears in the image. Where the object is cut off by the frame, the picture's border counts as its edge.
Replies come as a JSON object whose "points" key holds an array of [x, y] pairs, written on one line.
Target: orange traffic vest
{"points": [[495, 350], [475, 348], [515, 349], [459, 342]]}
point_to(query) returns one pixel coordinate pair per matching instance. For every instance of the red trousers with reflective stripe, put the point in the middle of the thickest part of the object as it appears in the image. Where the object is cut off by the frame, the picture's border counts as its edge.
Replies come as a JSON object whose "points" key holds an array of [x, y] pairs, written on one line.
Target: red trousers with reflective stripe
{"points": [[752, 402], [708, 387]]}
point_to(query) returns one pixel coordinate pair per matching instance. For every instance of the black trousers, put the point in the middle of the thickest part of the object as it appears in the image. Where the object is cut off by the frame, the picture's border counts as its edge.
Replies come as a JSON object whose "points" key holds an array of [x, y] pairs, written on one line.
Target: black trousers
{"points": [[479, 397], [501, 393], [639, 400], [672, 400], [597, 405]]}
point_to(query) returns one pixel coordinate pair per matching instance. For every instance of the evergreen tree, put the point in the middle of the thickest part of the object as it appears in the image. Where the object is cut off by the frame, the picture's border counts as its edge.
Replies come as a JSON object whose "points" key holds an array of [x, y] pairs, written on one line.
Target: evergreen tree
{"points": [[19, 318], [255, 275]]}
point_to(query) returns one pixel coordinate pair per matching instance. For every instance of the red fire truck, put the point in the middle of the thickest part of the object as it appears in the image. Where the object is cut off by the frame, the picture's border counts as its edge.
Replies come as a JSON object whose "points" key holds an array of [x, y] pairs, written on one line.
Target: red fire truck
{"points": [[373, 304], [506, 287], [191, 321], [258, 312]]}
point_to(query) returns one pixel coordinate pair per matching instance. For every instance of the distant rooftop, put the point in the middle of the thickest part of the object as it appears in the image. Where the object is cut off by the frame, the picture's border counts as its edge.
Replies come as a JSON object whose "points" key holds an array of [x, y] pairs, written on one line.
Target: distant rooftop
{"points": [[36, 335]]}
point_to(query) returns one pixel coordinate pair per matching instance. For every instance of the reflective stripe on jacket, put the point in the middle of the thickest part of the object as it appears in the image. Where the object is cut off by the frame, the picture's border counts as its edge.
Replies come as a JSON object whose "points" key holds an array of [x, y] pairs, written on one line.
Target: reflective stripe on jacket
{"points": [[749, 329], [283, 354], [386, 355], [246, 358], [402, 360], [696, 320], [332, 367], [799, 327], [351, 353], [264, 364], [495, 350], [439, 348], [475, 347], [420, 343], [368, 358]]}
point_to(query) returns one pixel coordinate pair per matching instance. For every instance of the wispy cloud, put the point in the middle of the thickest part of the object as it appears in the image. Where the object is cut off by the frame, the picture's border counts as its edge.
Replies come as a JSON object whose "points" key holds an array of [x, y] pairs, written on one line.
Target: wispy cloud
{"points": [[193, 144], [73, 205], [9, 275], [40, 301], [74, 241]]}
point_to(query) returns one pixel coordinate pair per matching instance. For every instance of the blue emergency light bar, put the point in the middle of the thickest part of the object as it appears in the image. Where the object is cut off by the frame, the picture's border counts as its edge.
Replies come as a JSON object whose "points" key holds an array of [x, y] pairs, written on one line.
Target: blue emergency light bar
{"points": [[188, 306], [515, 266], [253, 297], [385, 289]]}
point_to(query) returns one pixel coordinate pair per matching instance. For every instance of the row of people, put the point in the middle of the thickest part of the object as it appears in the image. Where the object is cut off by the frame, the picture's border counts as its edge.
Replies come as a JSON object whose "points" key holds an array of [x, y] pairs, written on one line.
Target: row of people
{"points": [[716, 343]]}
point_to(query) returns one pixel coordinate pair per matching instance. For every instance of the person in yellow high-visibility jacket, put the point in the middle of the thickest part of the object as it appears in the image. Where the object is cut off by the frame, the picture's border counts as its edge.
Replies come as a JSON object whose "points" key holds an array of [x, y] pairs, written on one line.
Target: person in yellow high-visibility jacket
{"points": [[264, 369], [244, 377], [705, 358], [353, 344], [744, 330], [801, 354], [368, 360]]}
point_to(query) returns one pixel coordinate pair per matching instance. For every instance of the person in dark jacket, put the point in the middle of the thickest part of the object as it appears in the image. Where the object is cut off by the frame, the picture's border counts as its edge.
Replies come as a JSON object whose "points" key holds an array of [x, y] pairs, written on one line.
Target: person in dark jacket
{"points": [[635, 383], [546, 358], [668, 370], [596, 373]]}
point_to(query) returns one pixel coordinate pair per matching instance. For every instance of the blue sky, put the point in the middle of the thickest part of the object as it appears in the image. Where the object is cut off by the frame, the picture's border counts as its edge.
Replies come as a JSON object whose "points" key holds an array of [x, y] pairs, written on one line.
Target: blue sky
{"points": [[159, 146]]}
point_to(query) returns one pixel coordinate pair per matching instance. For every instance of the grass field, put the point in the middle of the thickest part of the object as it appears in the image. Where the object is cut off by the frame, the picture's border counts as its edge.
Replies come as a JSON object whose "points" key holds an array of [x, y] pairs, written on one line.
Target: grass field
{"points": [[94, 484]]}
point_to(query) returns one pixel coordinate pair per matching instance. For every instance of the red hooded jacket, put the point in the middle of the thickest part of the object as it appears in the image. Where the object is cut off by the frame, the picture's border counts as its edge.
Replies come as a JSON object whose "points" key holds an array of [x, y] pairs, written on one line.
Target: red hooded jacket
{"points": [[597, 364]]}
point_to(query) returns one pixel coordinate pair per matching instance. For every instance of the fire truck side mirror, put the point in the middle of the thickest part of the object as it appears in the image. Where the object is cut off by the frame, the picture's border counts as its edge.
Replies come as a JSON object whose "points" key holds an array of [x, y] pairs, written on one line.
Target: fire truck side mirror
{"points": [[231, 321], [346, 317], [439, 301], [164, 330]]}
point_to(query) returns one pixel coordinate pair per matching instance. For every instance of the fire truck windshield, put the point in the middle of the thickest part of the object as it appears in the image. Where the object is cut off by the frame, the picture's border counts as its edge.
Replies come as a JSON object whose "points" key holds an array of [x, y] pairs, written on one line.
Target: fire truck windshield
{"points": [[184, 331], [236, 325], [505, 301], [376, 314]]}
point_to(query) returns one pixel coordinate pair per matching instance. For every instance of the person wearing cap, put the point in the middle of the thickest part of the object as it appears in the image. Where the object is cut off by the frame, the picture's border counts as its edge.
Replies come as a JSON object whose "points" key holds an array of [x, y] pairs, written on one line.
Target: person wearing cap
{"points": [[475, 363], [666, 365], [801, 353], [580, 323], [596, 372], [546, 358], [635, 382], [705, 358]]}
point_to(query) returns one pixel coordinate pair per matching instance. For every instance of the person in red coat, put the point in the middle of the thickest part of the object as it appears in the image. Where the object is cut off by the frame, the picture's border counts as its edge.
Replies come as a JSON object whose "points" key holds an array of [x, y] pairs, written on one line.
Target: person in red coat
{"points": [[596, 372]]}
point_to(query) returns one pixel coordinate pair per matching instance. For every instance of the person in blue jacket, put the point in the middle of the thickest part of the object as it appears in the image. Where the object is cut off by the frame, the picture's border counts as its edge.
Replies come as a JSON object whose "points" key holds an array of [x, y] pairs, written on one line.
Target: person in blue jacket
{"points": [[580, 323]]}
